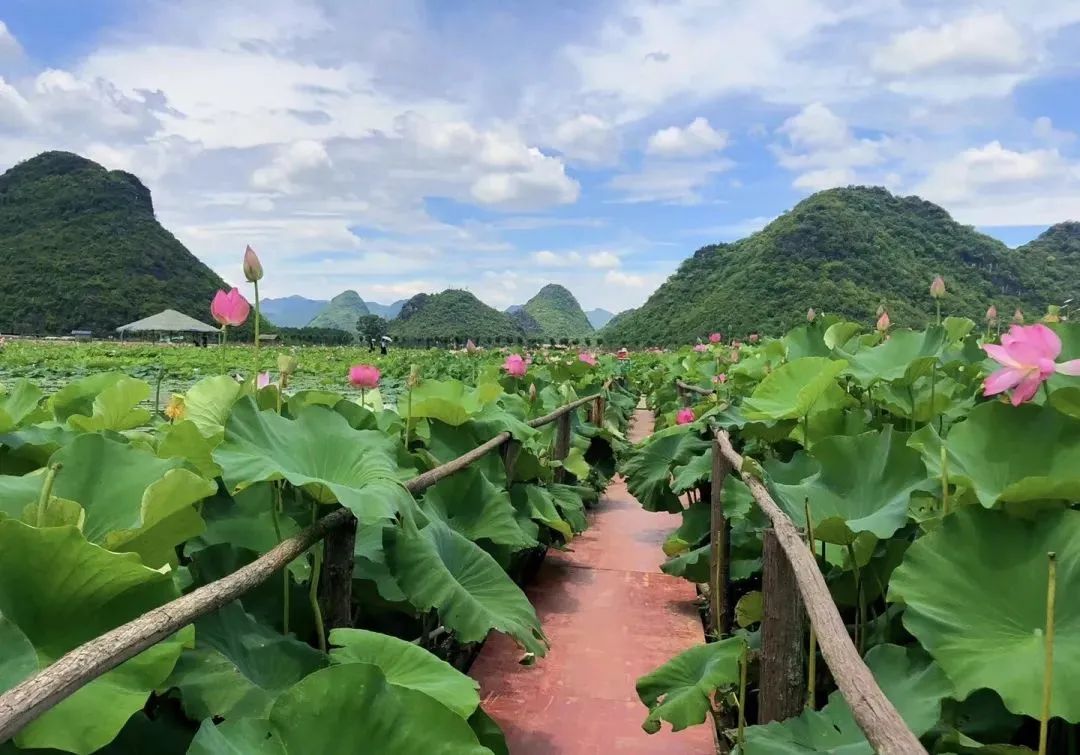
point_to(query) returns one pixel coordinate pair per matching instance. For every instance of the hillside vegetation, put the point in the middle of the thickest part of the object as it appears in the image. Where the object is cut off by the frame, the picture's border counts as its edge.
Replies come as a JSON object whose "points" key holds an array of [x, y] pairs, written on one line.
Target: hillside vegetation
{"points": [[558, 313], [451, 315], [341, 313], [80, 248], [849, 251]]}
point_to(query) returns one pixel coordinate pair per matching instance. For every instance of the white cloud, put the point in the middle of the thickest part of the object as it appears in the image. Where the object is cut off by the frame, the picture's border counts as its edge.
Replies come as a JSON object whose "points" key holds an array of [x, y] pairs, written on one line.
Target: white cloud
{"points": [[696, 139], [306, 159], [824, 151], [669, 182], [604, 260], [982, 42], [9, 46], [546, 258], [588, 139], [991, 168], [1043, 128], [625, 280]]}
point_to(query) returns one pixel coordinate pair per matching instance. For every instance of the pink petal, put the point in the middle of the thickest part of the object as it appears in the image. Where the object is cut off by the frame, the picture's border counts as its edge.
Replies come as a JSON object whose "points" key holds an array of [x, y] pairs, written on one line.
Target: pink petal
{"points": [[1002, 380], [1000, 354], [1026, 389], [1046, 339], [1072, 367]]}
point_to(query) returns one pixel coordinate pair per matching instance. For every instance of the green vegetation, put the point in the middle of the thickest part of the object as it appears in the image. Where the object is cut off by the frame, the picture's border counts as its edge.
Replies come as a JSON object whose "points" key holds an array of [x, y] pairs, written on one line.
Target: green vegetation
{"points": [[558, 313], [453, 315], [371, 328], [81, 250], [341, 313], [847, 252]]}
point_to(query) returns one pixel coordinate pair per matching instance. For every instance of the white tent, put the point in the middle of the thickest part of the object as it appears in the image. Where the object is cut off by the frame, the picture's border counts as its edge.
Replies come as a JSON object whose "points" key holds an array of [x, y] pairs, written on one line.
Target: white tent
{"points": [[169, 321]]}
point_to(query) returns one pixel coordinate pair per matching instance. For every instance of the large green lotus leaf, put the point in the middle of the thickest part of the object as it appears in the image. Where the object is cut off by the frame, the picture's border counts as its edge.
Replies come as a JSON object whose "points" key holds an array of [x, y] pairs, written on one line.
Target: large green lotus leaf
{"points": [[696, 520], [537, 504], [60, 591], [488, 732], [680, 691], [240, 736], [116, 407], [439, 568], [891, 359], [353, 707], [407, 665], [208, 403], [570, 501], [1009, 453], [649, 467], [806, 341], [182, 440], [913, 683], [18, 659], [471, 505], [77, 397], [1067, 401], [318, 451], [691, 565], [693, 473], [449, 401], [975, 591], [839, 333], [854, 484], [447, 443], [20, 405], [239, 666], [369, 562], [792, 390]]}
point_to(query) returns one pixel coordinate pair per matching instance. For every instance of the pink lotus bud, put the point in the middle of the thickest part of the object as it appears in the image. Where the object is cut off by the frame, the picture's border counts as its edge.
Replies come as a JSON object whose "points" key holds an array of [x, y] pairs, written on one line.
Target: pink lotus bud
{"points": [[262, 380], [364, 376], [1018, 316], [470, 346], [718, 379], [253, 270], [515, 366], [937, 288], [883, 322], [700, 347], [810, 314], [684, 416], [230, 308], [532, 393], [588, 358], [753, 338], [991, 315], [715, 338]]}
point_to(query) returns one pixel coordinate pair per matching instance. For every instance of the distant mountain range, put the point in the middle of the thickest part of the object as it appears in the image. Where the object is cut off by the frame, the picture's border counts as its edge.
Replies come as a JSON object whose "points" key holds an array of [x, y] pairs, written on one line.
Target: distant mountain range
{"points": [[298, 311], [598, 318], [452, 315]]}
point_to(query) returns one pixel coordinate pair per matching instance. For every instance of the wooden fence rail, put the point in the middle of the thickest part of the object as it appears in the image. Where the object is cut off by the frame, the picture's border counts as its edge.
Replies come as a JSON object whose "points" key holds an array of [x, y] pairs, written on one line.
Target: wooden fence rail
{"points": [[871, 709], [38, 693]]}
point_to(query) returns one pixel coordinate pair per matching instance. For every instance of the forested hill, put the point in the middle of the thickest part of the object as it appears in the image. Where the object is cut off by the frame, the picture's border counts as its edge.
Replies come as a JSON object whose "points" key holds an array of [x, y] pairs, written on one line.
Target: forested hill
{"points": [[80, 248], [558, 313], [849, 251], [451, 315], [341, 313]]}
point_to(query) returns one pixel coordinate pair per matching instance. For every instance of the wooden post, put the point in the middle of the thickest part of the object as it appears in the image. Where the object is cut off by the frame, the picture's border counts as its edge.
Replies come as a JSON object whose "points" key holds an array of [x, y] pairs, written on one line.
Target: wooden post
{"points": [[510, 450], [597, 417], [562, 445], [783, 649], [681, 393], [335, 585], [719, 547]]}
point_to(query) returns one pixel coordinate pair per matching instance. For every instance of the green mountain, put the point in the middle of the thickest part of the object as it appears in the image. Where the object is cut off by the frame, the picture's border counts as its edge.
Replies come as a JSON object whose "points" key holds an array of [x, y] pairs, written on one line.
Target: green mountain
{"points": [[386, 311], [598, 318], [341, 313], [291, 311], [528, 324], [614, 325], [80, 249], [849, 251], [451, 315], [558, 313]]}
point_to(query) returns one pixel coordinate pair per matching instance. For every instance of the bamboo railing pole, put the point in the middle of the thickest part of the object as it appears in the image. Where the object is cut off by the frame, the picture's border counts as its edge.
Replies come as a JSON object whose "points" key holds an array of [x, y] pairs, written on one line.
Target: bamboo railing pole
{"points": [[783, 681], [719, 547]]}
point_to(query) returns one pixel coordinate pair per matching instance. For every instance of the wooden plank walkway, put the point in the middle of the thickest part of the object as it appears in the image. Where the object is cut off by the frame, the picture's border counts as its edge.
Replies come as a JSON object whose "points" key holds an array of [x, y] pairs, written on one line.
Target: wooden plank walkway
{"points": [[611, 616]]}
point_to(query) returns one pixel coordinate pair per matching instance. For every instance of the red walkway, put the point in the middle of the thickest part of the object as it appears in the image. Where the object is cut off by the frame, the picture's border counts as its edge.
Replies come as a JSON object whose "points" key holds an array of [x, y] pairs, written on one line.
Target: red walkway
{"points": [[611, 616]]}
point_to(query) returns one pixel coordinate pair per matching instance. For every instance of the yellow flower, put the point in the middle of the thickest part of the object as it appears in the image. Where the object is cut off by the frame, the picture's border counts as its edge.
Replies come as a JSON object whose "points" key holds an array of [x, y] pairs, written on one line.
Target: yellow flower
{"points": [[175, 409]]}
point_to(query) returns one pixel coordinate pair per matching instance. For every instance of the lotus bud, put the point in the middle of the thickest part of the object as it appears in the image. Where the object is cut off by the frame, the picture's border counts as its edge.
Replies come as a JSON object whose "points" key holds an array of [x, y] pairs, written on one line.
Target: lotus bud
{"points": [[937, 288], [883, 322], [810, 314], [175, 409], [286, 364], [753, 338], [253, 270], [532, 393], [880, 310], [991, 315], [470, 346], [414, 377], [1018, 316]]}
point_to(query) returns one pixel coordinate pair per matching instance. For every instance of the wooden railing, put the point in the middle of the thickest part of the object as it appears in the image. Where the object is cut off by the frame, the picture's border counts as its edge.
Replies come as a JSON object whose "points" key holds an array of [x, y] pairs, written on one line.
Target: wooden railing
{"points": [[793, 588], [38, 693]]}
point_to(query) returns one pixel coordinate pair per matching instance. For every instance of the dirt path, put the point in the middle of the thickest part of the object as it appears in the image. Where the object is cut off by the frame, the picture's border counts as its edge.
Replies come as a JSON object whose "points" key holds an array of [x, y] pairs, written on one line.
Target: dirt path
{"points": [[611, 616]]}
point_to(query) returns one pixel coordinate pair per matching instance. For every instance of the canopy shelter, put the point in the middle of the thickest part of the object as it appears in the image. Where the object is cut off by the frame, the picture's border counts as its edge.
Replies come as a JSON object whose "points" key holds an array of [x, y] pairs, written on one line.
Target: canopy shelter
{"points": [[169, 321]]}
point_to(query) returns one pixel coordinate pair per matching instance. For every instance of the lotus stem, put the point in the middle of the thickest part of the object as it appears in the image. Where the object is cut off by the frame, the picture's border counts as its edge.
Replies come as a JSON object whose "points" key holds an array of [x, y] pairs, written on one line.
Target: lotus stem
{"points": [[313, 587], [258, 361], [860, 621], [938, 302], [811, 660], [944, 480], [1048, 674], [224, 340], [46, 493], [157, 392], [275, 508], [743, 663]]}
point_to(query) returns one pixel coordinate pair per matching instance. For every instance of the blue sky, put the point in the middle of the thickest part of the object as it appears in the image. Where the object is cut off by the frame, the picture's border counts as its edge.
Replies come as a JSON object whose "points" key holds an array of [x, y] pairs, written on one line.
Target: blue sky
{"points": [[402, 147]]}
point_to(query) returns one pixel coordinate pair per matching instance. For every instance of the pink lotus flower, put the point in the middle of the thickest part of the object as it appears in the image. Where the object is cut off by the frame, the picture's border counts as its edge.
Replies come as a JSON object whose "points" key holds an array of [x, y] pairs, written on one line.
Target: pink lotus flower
{"points": [[937, 288], [515, 366], [1027, 354], [230, 308], [701, 347], [364, 376], [715, 338], [253, 269], [721, 378], [684, 416], [883, 322], [262, 380], [753, 338], [588, 358]]}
